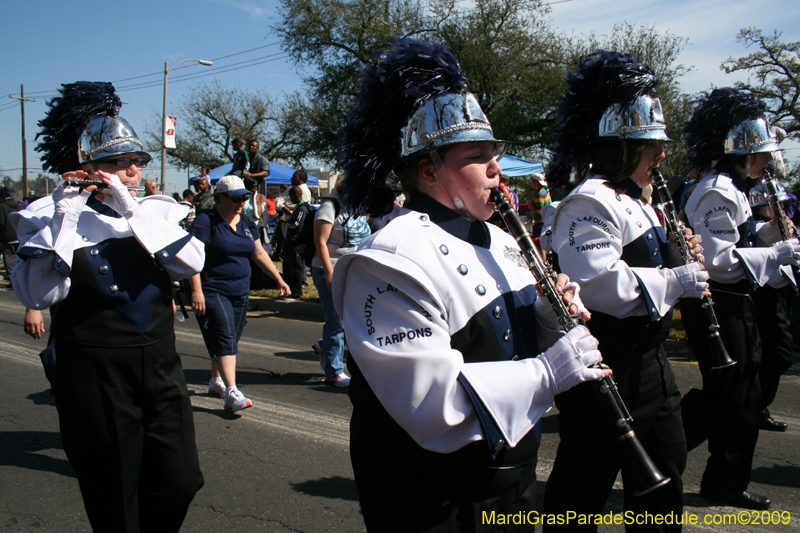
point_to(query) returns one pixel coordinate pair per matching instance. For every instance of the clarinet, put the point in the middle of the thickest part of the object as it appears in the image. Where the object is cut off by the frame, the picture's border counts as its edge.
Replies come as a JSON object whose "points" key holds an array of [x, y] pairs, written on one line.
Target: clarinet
{"points": [[775, 204], [645, 473], [719, 355]]}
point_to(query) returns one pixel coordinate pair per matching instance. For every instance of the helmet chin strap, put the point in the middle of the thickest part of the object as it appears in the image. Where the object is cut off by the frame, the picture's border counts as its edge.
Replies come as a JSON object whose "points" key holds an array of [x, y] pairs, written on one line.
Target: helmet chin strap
{"points": [[449, 185]]}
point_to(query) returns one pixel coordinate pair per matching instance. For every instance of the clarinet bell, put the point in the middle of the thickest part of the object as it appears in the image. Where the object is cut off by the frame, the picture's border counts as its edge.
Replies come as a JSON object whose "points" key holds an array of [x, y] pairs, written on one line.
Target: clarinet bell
{"points": [[719, 355], [646, 475]]}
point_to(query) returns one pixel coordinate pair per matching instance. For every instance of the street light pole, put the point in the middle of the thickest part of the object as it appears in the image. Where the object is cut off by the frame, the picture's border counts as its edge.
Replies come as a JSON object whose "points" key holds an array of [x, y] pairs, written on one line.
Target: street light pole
{"points": [[167, 70]]}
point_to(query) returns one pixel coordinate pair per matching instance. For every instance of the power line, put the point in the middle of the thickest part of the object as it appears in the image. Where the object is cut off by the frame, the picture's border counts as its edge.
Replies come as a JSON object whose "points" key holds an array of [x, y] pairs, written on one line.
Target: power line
{"points": [[205, 73], [48, 94]]}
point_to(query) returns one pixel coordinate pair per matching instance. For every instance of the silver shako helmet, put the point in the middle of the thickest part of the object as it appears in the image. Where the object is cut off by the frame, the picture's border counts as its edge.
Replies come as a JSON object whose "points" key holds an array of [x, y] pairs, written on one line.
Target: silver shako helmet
{"points": [[727, 122], [641, 119], [83, 125], [759, 197], [610, 97], [413, 100], [108, 136], [750, 137], [448, 119]]}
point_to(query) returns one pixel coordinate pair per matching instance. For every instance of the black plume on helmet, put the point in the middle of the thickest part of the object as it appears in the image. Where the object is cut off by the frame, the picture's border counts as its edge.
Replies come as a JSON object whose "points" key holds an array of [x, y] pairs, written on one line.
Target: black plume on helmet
{"points": [[715, 114], [600, 80], [408, 74], [69, 113]]}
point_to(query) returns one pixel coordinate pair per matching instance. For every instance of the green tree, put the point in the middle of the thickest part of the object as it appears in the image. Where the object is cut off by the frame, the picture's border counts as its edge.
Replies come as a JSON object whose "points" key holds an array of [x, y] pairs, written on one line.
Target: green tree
{"points": [[515, 63], [212, 115], [331, 40], [774, 76]]}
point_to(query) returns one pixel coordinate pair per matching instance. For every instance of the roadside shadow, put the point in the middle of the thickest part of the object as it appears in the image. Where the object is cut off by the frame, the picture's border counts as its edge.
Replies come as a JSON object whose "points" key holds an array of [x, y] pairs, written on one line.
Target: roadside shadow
{"points": [[21, 449], [777, 475], [334, 488], [44, 397]]}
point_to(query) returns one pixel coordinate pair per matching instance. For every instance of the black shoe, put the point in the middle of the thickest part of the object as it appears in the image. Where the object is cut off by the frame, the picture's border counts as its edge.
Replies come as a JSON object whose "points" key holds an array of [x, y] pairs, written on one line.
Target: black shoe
{"points": [[745, 500], [770, 424]]}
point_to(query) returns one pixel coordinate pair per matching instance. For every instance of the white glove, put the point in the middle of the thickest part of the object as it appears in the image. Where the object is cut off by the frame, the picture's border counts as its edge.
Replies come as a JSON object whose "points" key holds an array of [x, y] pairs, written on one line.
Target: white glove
{"points": [[691, 280], [567, 361], [787, 252], [576, 300], [120, 199], [70, 201]]}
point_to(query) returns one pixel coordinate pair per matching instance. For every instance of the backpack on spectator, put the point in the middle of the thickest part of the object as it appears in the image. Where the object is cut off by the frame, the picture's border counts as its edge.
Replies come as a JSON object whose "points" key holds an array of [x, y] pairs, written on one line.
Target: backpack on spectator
{"points": [[306, 247]]}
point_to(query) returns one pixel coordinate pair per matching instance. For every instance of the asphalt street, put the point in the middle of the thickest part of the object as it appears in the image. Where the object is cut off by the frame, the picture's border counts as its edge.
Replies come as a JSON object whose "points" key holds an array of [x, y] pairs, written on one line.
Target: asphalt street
{"points": [[283, 465]]}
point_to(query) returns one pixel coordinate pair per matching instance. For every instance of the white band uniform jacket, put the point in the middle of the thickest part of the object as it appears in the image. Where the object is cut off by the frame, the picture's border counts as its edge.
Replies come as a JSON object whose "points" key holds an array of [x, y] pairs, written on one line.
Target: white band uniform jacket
{"points": [[720, 213], [410, 294], [117, 278], [593, 227]]}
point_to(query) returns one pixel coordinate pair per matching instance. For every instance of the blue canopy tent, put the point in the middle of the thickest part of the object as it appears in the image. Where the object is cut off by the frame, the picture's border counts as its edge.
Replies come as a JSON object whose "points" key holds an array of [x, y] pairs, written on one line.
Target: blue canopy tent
{"points": [[514, 166], [277, 174]]}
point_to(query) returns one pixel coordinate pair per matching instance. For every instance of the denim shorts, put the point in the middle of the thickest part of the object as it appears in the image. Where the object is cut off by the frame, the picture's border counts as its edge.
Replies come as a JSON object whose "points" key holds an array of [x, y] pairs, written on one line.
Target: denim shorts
{"points": [[223, 323]]}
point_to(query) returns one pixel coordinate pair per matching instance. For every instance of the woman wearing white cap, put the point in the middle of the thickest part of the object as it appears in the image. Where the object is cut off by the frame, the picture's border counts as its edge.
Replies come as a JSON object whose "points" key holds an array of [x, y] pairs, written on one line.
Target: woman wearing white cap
{"points": [[220, 292]]}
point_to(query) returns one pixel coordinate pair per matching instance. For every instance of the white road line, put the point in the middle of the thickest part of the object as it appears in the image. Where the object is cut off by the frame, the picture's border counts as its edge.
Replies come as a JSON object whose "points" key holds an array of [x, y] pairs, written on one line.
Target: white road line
{"points": [[316, 425], [21, 352], [308, 423]]}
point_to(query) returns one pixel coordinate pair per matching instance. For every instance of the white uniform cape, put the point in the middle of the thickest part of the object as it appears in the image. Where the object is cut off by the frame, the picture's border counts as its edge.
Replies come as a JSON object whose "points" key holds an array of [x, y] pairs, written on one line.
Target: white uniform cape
{"points": [[47, 242], [716, 210], [589, 230], [401, 296]]}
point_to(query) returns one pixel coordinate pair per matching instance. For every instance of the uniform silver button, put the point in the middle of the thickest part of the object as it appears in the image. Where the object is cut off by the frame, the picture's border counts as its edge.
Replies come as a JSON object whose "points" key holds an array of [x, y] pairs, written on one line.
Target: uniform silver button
{"points": [[59, 262], [444, 249], [498, 312], [629, 211], [654, 311], [638, 223], [655, 252], [113, 288], [649, 237], [104, 269], [462, 269], [85, 238], [507, 335], [94, 250], [164, 254], [480, 289], [619, 198], [499, 445], [424, 218]]}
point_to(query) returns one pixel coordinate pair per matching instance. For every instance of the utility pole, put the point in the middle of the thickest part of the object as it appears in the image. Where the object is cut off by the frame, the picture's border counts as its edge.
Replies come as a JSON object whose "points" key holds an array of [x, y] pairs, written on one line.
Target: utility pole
{"points": [[22, 101]]}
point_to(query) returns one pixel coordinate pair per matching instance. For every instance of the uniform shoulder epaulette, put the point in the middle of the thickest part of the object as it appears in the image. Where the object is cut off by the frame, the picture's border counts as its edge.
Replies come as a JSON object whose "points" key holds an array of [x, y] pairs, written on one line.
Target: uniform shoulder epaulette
{"points": [[390, 237]]}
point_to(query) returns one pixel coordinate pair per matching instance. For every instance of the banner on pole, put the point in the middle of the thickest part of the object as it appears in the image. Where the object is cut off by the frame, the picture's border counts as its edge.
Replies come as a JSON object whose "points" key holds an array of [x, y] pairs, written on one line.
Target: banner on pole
{"points": [[169, 129]]}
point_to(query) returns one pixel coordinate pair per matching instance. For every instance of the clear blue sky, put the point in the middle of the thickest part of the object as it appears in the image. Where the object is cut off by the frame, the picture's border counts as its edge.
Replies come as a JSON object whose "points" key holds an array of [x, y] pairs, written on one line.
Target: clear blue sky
{"points": [[46, 43]]}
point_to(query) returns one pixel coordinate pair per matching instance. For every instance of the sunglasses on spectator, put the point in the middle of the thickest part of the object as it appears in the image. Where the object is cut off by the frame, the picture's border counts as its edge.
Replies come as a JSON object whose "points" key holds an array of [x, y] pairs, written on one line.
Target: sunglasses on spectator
{"points": [[238, 199], [125, 162]]}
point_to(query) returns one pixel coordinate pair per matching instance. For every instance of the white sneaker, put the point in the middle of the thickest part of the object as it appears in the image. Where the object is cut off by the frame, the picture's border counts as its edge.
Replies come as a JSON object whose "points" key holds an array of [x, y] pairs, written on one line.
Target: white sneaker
{"points": [[216, 388], [340, 380], [235, 401]]}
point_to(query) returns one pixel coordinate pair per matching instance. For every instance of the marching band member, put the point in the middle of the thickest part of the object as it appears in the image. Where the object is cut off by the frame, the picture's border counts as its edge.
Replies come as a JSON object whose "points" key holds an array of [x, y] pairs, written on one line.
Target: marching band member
{"points": [[439, 310], [773, 305], [108, 261], [730, 144], [611, 130]]}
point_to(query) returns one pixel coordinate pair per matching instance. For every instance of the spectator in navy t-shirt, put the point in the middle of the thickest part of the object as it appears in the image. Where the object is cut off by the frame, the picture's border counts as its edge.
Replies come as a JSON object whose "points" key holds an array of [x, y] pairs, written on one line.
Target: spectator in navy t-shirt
{"points": [[220, 292]]}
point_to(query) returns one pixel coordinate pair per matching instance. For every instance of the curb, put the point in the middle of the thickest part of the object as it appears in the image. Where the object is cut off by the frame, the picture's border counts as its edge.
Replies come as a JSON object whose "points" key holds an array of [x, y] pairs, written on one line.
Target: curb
{"points": [[309, 310]]}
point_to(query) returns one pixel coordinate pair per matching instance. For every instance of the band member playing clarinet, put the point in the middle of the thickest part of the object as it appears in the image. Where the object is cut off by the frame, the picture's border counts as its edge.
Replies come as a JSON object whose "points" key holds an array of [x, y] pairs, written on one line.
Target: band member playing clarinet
{"points": [[450, 367], [730, 144], [611, 132]]}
